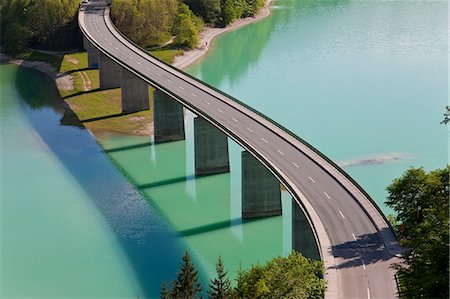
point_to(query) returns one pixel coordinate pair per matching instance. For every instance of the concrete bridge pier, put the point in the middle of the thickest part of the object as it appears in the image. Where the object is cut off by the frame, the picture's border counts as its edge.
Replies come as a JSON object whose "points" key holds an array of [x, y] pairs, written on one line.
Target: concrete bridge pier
{"points": [[211, 148], [168, 118], [303, 239], [92, 52], [110, 72], [261, 191], [134, 93]]}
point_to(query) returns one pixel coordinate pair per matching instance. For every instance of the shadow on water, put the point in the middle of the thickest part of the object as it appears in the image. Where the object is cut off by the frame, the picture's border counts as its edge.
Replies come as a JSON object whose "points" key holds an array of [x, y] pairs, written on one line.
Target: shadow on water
{"points": [[151, 245], [368, 247], [216, 226]]}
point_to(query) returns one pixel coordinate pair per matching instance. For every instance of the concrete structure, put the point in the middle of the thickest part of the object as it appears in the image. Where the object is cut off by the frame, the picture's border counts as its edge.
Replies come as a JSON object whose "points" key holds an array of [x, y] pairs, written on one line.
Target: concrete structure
{"points": [[303, 239], [341, 213], [168, 118], [134, 93], [211, 148], [261, 191], [92, 52], [110, 72]]}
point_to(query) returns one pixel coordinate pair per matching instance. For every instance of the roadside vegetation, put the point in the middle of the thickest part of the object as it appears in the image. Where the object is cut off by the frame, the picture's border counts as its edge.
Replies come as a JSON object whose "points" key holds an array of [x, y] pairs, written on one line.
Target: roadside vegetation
{"points": [[293, 276], [421, 201]]}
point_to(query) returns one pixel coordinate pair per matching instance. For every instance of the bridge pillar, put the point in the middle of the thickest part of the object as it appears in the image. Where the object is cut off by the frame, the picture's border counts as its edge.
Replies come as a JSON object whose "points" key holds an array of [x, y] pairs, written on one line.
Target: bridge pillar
{"points": [[303, 239], [261, 191], [211, 148], [168, 118], [134, 93], [92, 52], [110, 72]]}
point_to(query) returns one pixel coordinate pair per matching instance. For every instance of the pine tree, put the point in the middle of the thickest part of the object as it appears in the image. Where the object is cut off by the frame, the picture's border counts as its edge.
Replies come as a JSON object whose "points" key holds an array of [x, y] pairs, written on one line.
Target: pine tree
{"points": [[220, 287], [165, 294], [186, 285]]}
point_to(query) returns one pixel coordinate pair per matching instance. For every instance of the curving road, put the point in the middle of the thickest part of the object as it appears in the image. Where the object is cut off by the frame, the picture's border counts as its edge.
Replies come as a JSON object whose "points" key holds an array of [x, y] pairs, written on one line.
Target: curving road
{"points": [[355, 241]]}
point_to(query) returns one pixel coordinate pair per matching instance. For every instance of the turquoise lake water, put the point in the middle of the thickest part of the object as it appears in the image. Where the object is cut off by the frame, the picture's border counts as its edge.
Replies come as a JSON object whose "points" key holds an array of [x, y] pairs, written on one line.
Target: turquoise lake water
{"points": [[357, 79]]}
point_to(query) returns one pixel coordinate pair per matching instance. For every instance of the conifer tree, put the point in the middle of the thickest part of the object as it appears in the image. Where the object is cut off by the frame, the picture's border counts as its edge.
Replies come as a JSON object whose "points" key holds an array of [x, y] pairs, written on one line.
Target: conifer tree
{"points": [[165, 294], [186, 284], [220, 287]]}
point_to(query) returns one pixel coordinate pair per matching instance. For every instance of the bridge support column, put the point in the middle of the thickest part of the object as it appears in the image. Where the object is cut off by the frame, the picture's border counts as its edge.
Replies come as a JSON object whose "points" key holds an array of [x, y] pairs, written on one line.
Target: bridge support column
{"points": [[134, 93], [168, 118], [261, 191], [211, 148], [110, 72], [92, 52], [303, 239]]}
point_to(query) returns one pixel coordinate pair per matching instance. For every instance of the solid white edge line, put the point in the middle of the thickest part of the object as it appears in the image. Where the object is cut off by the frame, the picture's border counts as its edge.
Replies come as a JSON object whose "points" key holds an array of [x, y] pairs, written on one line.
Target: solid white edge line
{"points": [[341, 214]]}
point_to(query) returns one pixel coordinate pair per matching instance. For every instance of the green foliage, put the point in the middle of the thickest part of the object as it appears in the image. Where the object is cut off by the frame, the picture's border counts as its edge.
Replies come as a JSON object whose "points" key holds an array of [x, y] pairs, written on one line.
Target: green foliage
{"points": [[187, 34], [165, 294], [220, 287], [186, 284], [26, 23], [446, 115], [209, 10], [292, 277], [421, 201]]}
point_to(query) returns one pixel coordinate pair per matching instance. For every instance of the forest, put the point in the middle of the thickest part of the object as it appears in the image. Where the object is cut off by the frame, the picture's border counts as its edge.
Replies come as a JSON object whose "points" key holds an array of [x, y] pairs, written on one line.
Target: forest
{"points": [[52, 24]]}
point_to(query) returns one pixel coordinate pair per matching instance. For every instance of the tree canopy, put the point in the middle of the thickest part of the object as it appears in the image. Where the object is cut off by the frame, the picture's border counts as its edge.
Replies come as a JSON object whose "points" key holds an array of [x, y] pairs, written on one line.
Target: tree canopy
{"points": [[421, 200]]}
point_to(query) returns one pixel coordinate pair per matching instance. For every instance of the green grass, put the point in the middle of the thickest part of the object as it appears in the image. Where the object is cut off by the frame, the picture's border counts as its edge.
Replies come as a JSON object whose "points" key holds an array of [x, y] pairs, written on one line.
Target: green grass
{"points": [[104, 104], [166, 54], [34, 55]]}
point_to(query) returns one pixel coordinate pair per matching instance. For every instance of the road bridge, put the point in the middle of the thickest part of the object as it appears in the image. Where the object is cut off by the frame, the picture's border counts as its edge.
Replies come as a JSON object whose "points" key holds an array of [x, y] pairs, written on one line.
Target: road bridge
{"points": [[333, 218]]}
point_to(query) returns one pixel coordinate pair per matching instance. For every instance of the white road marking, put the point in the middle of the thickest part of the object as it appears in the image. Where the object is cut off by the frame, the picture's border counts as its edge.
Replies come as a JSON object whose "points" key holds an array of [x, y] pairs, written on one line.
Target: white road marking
{"points": [[312, 180], [280, 152], [206, 102], [106, 39], [168, 80], [139, 63], [354, 237], [341, 214], [326, 194], [221, 111], [193, 94], [158, 74], [116, 48], [295, 164], [235, 120], [364, 265], [368, 293], [250, 130], [264, 140], [180, 87]]}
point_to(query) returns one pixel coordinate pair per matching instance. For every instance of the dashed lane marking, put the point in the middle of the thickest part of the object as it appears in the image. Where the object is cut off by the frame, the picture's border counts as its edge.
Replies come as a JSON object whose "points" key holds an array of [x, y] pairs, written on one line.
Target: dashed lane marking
{"points": [[280, 152], [326, 194], [312, 180], [341, 214], [235, 120], [221, 111], [295, 164], [354, 237], [265, 141], [250, 130]]}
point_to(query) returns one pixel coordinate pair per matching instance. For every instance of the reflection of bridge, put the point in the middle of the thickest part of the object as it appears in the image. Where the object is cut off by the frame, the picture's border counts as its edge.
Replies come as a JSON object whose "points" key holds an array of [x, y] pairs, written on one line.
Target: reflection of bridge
{"points": [[333, 218]]}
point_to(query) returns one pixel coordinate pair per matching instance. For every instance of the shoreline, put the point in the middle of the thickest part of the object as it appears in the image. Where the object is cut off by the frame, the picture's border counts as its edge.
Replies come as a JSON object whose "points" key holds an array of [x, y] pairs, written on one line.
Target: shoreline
{"points": [[208, 34], [62, 80]]}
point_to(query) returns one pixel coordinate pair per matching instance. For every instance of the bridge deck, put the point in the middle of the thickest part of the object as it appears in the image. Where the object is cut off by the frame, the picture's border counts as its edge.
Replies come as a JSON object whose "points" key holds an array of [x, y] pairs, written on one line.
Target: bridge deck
{"points": [[355, 241]]}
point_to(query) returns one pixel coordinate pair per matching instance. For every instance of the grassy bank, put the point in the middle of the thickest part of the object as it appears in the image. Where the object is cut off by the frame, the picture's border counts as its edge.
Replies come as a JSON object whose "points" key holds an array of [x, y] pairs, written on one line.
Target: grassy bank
{"points": [[99, 110]]}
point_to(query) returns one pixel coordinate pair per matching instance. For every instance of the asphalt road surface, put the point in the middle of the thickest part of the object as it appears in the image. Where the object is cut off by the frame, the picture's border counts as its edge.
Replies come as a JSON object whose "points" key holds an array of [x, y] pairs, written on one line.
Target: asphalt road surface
{"points": [[353, 236]]}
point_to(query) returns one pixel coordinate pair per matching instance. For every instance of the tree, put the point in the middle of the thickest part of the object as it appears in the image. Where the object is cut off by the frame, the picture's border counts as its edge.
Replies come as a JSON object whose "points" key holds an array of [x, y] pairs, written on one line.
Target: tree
{"points": [[220, 287], [446, 115], [421, 201], [187, 32], [292, 277], [165, 294], [186, 284]]}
